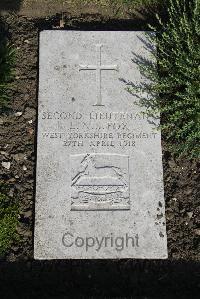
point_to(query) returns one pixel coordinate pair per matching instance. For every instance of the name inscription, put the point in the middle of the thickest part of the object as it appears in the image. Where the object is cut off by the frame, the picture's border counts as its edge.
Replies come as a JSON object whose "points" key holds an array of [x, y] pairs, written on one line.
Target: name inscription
{"points": [[97, 129]]}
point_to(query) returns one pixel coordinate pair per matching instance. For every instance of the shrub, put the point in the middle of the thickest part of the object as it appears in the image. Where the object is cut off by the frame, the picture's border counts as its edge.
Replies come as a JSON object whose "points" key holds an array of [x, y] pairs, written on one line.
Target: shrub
{"points": [[174, 75]]}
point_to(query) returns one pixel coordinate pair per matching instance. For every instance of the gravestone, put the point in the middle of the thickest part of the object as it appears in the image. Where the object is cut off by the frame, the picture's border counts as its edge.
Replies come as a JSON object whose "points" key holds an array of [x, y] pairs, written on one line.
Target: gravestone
{"points": [[99, 189]]}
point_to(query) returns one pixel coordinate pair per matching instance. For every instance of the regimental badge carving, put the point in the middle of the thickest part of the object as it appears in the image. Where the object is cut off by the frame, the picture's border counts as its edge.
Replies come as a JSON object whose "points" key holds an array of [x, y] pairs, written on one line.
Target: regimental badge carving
{"points": [[99, 182]]}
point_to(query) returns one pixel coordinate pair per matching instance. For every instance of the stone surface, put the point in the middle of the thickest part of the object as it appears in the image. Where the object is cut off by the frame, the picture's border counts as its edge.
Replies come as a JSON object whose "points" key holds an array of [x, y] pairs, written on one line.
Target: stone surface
{"points": [[99, 190]]}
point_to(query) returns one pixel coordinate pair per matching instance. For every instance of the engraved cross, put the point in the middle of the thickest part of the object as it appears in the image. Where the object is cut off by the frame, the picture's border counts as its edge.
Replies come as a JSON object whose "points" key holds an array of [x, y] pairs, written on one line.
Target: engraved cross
{"points": [[98, 68]]}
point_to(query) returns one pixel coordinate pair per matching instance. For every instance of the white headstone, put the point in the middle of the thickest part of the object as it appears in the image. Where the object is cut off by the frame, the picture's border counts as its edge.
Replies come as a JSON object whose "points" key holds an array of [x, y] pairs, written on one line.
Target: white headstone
{"points": [[99, 187]]}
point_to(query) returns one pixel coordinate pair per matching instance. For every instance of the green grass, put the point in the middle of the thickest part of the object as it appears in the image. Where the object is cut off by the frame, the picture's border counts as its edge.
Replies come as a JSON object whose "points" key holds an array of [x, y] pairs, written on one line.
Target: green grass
{"points": [[175, 78], [8, 220]]}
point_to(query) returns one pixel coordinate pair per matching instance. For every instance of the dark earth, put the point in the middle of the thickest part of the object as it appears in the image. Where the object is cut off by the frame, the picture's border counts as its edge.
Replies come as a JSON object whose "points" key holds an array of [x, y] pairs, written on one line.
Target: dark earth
{"points": [[177, 277]]}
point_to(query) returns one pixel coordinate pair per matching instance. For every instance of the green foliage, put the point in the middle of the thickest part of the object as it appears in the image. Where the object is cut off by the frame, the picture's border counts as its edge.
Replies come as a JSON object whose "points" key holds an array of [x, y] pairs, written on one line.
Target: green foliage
{"points": [[174, 85], [6, 69], [8, 221]]}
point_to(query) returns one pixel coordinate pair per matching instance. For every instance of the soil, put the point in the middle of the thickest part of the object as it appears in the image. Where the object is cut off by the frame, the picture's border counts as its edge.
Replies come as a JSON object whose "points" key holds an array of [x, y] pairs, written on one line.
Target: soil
{"points": [[181, 182], [107, 8]]}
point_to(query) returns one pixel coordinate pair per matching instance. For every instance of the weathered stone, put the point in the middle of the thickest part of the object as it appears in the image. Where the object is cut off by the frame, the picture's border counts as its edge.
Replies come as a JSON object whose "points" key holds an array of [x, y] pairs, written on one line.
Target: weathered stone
{"points": [[29, 113], [99, 161], [6, 165], [19, 113]]}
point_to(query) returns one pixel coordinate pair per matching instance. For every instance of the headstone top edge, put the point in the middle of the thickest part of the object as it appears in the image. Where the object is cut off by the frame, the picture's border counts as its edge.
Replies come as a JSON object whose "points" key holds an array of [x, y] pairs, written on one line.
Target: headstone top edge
{"points": [[89, 31]]}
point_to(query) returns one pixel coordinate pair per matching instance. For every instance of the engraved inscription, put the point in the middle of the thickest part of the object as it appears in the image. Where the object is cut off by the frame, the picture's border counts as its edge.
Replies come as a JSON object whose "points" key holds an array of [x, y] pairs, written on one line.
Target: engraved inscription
{"points": [[99, 182], [98, 68], [99, 129]]}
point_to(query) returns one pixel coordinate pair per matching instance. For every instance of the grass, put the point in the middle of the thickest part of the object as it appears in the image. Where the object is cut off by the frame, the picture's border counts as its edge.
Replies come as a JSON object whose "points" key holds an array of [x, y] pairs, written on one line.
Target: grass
{"points": [[8, 220], [141, 2], [106, 4], [135, 4], [174, 77]]}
